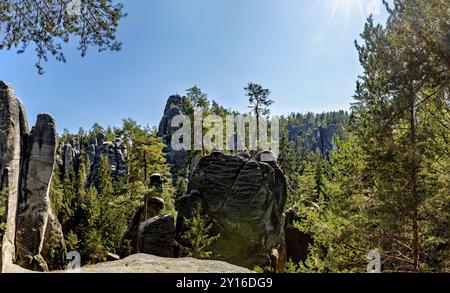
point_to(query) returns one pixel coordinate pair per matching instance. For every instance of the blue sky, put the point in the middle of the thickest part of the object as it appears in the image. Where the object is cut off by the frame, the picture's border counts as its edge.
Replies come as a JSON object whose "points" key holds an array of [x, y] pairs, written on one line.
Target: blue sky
{"points": [[302, 50]]}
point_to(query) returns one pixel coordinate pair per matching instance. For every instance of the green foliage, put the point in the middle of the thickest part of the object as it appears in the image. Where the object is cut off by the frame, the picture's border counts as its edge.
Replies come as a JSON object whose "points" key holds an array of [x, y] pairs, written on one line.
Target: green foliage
{"points": [[48, 24], [198, 98], [258, 98], [94, 212], [291, 267], [198, 236], [338, 226], [94, 250], [387, 186], [72, 242], [145, 151], [258, 269], [304, 160], [180, 188]]}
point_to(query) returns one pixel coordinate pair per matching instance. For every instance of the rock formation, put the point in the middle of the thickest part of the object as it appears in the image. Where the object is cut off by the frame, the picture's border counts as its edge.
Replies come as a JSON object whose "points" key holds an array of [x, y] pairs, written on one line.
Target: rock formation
{"points": [[146, 263], [115, 151], [320, 140], [157, 236], [26, 166], [36, 222], [244, 199], [175, 159], [13, 129]]}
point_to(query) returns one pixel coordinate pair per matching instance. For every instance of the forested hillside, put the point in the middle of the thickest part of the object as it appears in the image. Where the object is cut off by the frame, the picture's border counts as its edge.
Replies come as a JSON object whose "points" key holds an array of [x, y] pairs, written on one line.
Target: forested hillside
{"points": [[95, 201], [374, 179]]}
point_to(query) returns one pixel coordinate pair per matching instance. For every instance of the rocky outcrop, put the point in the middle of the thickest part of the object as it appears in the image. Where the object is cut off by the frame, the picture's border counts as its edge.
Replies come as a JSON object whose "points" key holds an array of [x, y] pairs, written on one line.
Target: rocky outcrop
{"points": [[69, 159], [157, 236], [36, 223], [146, 263], [129, 241], [325, 139], [320, 139], [116, 153], [244, 199], [175, 159], [13, 129], [69, 156], [26, 166]]}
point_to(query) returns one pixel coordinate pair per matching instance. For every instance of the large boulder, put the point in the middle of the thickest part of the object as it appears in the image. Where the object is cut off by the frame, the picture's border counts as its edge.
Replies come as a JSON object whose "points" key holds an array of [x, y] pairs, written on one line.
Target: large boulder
{"points": [[157, 236], [244, 199], [146, 263]]}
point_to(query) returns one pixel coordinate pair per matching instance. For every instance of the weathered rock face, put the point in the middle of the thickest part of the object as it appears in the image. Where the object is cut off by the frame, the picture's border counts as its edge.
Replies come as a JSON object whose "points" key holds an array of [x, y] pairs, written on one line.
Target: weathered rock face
{"points": [[325, 139], [115, 151], [13, 129], [27, 161], [320, 140], [157, 236], [244, 199], [146, 263], [69, 161], [33, 224], [297, 242], [175, 159], [154, 206]]}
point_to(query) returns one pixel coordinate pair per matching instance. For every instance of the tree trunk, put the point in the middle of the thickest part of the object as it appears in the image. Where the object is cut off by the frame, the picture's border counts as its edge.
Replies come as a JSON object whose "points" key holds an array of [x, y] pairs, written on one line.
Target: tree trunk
{"points": [[257, 126], [145, 167], [415, 229]]}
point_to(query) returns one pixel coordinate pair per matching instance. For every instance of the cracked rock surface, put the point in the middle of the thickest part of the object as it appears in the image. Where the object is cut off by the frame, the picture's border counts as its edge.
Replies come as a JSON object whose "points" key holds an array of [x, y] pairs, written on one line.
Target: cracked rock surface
{"points": [[244, 199]]}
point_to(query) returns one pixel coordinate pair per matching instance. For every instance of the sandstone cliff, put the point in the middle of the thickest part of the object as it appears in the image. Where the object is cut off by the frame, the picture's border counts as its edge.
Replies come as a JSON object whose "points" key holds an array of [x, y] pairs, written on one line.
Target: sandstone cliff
{"points": [[26, 165]]}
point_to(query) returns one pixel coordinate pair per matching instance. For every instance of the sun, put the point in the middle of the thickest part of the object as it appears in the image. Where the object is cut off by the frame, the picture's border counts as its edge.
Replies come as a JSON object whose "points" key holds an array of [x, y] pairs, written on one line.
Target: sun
{"points": [[344, 8], [348, 7]]}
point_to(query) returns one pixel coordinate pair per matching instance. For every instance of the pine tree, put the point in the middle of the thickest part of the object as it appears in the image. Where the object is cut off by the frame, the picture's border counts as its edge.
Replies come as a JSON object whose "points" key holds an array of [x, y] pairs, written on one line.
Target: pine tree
{"points": [[48, 24], [404, 75], [200, 103], [339, 226], [94, 245], [258, 98], [198, 236], [389, 181]]}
